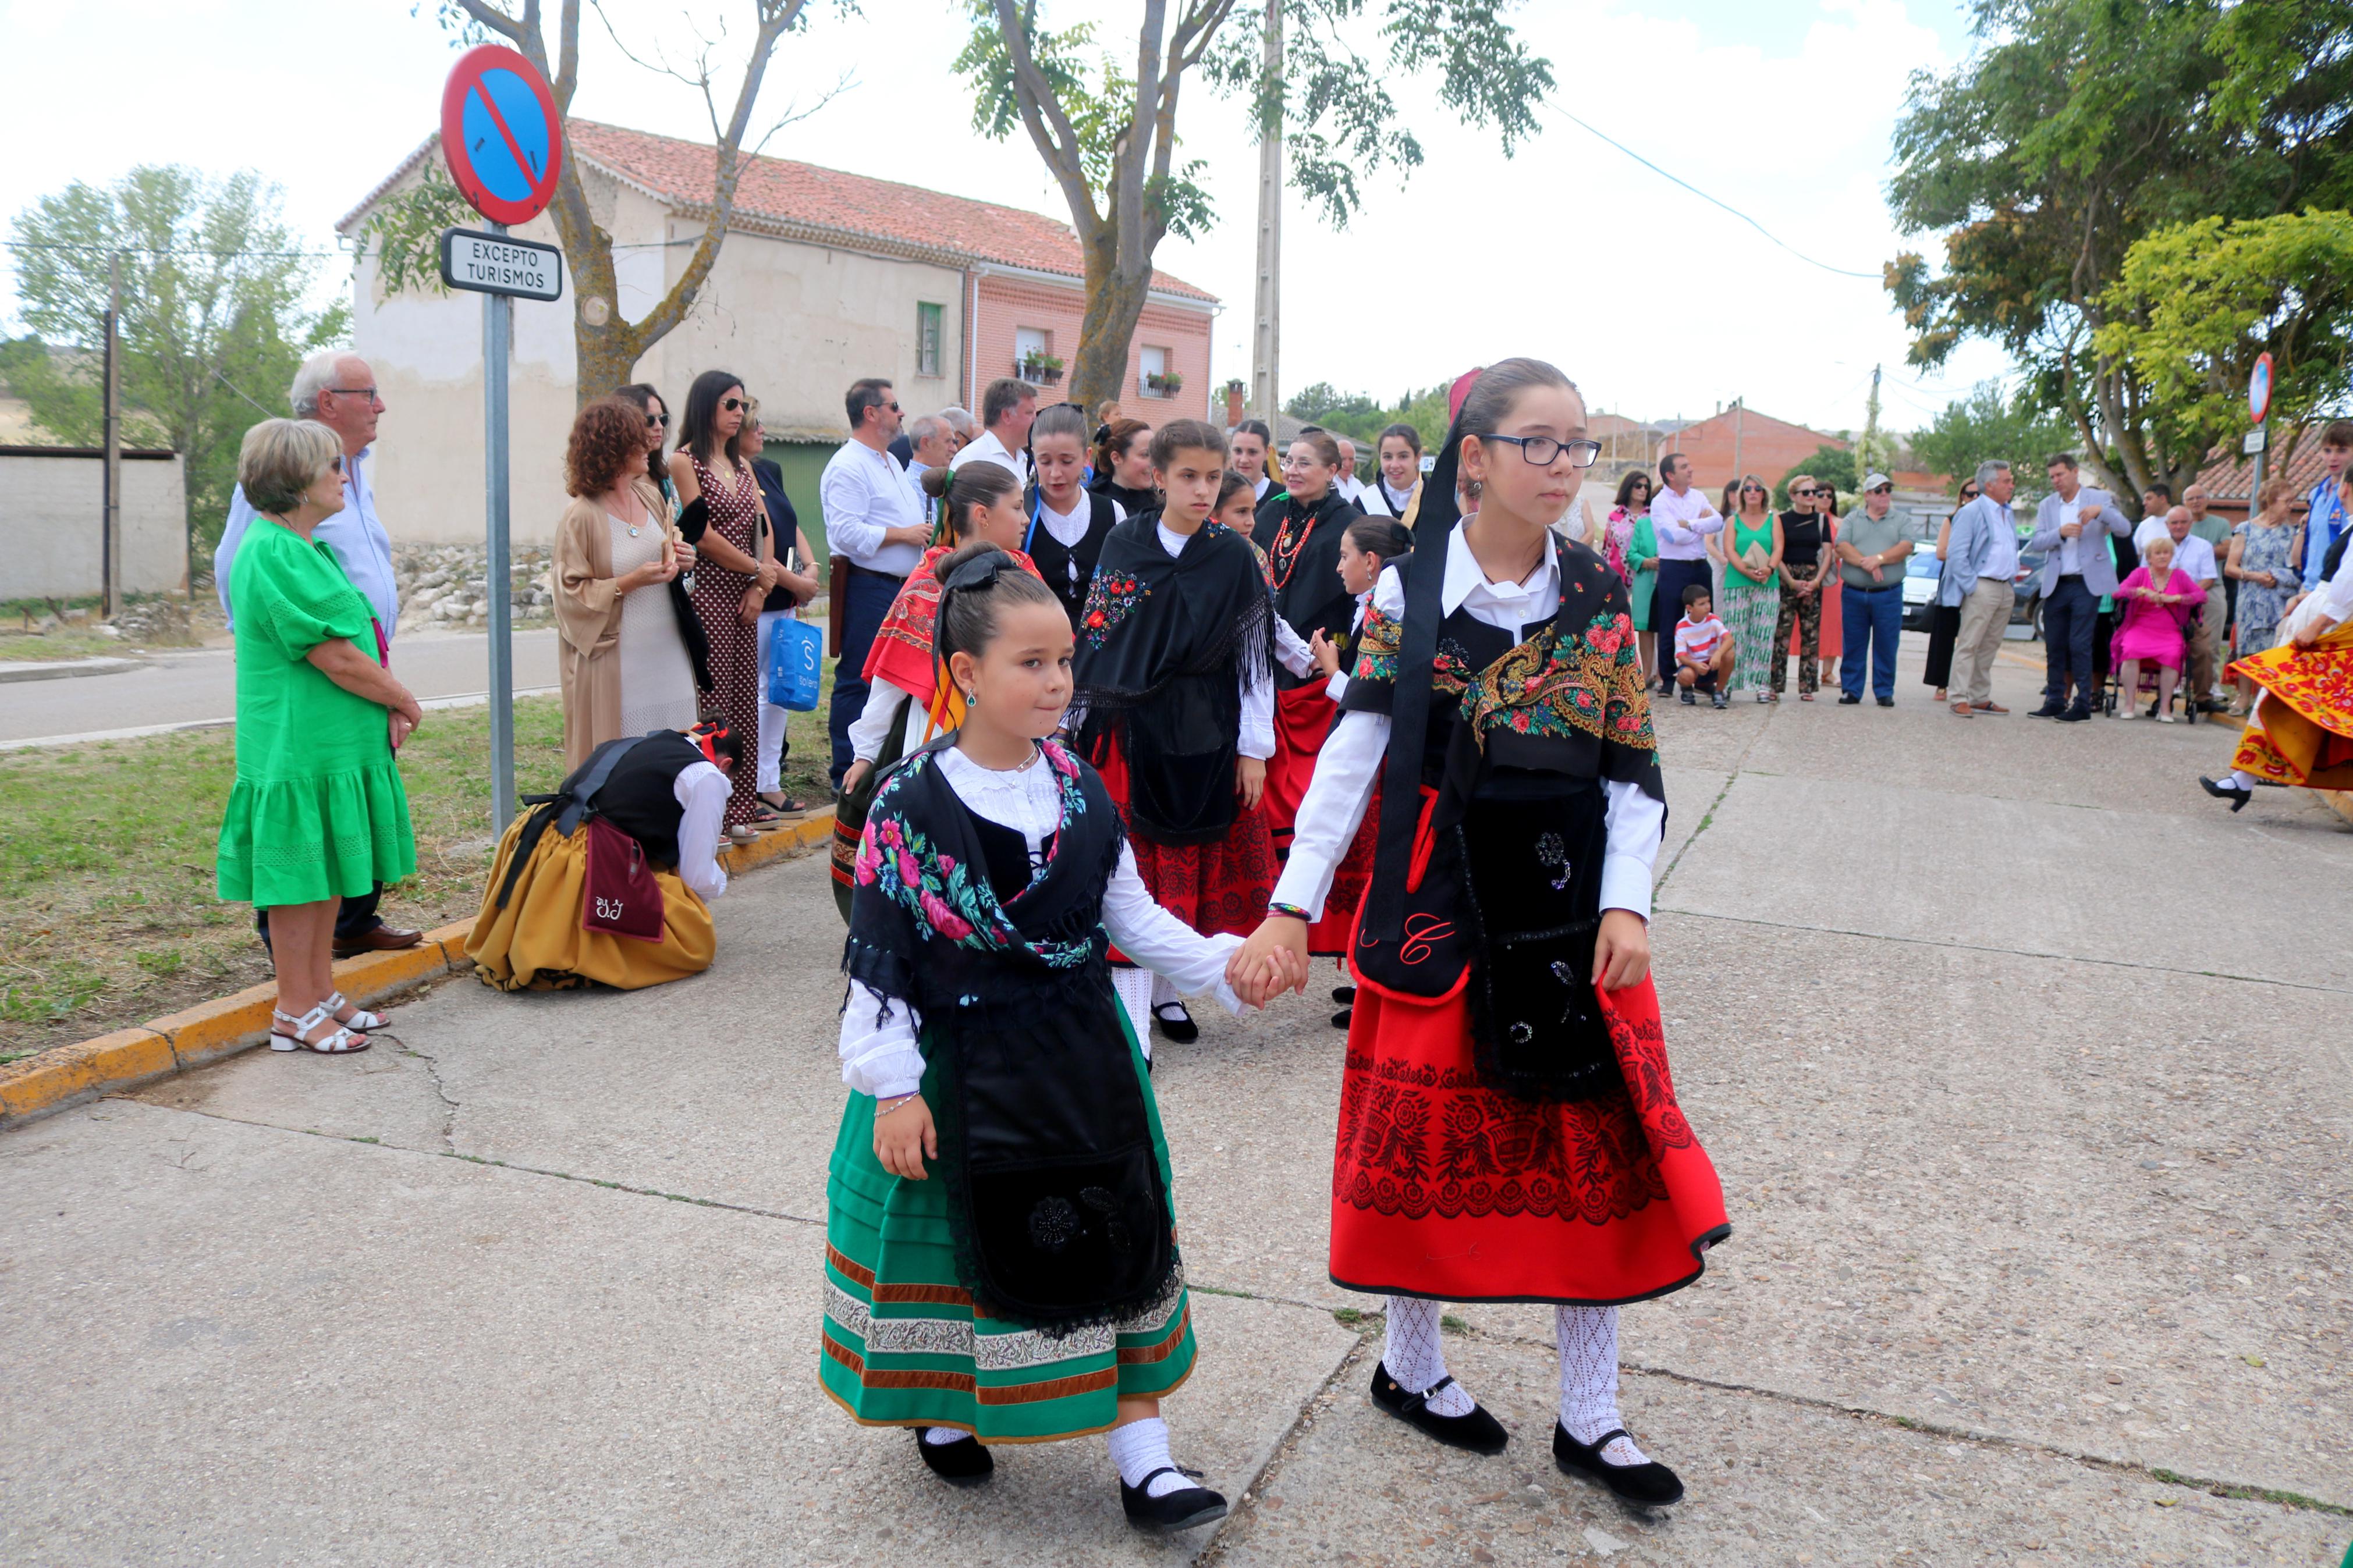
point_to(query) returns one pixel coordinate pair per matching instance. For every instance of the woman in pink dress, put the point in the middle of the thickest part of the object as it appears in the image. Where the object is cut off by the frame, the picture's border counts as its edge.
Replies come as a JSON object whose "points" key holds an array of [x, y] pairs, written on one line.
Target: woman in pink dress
{"points": [[2157, 603]]}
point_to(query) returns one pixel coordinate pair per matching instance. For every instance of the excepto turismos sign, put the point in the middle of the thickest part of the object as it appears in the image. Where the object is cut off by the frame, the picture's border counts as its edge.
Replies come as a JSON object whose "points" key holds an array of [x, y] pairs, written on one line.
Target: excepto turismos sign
{"points": [[501, 264]]}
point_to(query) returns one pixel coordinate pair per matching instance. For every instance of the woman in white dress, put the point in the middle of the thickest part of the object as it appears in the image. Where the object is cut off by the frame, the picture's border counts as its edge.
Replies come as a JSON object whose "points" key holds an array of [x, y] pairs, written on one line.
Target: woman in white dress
{"points": [[628, 659]]}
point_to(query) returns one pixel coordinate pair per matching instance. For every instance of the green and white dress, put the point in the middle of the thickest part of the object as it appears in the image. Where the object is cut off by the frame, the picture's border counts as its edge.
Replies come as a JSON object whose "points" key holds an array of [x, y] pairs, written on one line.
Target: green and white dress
{"points": [[1749, 609], [318, 811], [1031, 1282]]}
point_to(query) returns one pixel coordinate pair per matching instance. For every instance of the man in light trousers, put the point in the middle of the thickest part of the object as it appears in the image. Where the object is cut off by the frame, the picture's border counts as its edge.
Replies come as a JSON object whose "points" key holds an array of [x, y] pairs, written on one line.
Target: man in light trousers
{"points": [[1981, 564]]}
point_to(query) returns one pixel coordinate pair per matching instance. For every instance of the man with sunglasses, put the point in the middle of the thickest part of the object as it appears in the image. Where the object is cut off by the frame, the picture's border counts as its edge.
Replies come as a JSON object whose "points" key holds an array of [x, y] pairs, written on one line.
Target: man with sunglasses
{"points": [[335, 388]]}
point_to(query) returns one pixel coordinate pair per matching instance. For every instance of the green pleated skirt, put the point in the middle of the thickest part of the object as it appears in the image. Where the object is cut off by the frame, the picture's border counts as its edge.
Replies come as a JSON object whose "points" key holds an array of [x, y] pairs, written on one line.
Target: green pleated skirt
{"points": [[902, 1346]]}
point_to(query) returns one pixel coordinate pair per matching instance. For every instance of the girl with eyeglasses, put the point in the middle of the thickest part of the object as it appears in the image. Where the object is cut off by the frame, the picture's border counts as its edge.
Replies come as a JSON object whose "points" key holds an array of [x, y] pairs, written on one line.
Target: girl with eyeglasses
{"points": [[1508, 1126], [1944, 620], [1751, 600]]}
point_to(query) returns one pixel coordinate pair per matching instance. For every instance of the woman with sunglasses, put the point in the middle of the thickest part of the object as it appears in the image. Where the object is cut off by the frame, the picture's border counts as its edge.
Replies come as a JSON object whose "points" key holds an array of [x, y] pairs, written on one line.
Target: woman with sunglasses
{"points": [[649, 403], [1751, 600], [1944, 620], [1631, 545], [720, 513], [1805, 531]]}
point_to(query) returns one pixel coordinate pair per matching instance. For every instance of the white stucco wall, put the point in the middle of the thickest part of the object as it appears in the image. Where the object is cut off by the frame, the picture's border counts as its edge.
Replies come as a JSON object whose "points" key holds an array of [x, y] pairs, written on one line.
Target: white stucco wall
{"points": [[797, 323], [50, 515]]}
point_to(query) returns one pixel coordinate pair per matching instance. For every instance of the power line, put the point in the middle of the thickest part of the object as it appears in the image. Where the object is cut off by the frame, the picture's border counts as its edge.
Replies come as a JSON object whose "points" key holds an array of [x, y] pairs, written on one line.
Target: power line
{"points": [[1727, 206]]}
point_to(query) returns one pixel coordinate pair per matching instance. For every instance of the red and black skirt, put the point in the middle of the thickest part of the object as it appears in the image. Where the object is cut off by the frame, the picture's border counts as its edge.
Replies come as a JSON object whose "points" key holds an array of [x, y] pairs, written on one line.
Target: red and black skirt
{"points": [[1302, 720], [1217, 887], [1444, 1188]]}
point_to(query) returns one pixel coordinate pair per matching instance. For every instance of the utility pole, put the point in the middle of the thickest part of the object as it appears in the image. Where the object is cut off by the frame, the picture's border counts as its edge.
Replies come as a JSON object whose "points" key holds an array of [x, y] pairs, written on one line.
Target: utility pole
{"points": [[1266, 346], [1740, 419], [498, 337], [1867, 452], [110, 549]]}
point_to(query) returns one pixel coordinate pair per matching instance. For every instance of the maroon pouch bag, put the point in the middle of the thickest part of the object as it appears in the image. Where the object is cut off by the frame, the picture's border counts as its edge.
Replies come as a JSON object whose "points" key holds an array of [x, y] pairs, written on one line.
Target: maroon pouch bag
{"points": [[620, 895]]}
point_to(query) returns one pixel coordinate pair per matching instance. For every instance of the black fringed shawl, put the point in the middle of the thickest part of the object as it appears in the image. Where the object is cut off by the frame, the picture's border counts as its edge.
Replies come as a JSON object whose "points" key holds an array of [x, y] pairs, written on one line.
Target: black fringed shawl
{"points": [[1165, 646], [1055, 1193]]}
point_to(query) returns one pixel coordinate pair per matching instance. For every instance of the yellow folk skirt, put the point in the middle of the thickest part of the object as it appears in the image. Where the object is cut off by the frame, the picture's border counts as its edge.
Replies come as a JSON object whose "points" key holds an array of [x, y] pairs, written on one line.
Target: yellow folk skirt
{"points": [[2301, 731], [537, 943]]}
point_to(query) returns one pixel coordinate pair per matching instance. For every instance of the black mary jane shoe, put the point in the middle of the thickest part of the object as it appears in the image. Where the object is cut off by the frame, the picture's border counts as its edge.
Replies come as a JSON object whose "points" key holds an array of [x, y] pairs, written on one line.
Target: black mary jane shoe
{"points": [[1647, 1484], [2237, 797], [1344, 994], [1478, 1432], [1187, 1508], [1178, 1030], [963, 1463], [1344, 1017]]}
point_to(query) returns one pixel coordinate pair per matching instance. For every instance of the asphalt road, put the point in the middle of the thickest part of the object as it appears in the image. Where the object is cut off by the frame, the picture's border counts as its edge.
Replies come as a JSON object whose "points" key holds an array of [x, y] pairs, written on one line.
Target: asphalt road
{"points": [[2023, 1063], [200, 687]]}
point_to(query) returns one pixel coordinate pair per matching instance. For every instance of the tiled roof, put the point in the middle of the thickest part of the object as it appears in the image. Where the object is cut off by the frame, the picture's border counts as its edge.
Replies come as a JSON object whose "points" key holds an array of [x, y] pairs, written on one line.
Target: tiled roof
{"points": [[808, 201], [853, 204], [2230, 475]]}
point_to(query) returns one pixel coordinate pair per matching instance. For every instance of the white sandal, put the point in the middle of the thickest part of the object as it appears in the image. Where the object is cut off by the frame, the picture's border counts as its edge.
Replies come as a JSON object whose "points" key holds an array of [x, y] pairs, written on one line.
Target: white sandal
{"points": [[361, 1018], [341, 1043]]}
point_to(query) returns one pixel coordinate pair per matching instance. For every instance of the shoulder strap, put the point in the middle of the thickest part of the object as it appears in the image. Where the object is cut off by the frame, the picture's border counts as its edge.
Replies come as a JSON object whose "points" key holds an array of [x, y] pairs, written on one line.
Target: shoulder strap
{"points": [[1424, 581], [592, 779]]}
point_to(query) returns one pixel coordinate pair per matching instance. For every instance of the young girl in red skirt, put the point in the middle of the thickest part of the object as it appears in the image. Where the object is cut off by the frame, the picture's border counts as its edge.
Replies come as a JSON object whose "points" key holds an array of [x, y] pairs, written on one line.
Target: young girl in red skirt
{"points": [[1300, 529], [1508, 1127], [1173, 672]]}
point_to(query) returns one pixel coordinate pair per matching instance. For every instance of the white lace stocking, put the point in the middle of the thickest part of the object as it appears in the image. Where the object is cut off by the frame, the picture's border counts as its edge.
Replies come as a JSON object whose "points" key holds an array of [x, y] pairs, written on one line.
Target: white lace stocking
{"points": [[1589, 1379], [1415, 1356]]}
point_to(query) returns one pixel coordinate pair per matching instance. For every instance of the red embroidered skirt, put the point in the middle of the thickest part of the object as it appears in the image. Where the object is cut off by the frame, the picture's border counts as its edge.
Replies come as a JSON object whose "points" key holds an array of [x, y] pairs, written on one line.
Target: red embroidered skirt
{"points": [[1215, 888], [1302, 718], [1329, 937], [1445, 1189]]}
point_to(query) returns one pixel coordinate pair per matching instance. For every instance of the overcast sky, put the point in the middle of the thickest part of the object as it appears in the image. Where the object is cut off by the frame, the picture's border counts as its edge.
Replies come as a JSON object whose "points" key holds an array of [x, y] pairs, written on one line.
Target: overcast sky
{"points": [[1656, 302]]}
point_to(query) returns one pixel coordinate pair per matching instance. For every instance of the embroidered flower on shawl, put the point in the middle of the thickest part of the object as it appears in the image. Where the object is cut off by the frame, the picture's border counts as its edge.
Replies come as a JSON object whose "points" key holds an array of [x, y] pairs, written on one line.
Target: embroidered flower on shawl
{"points": [[1586, 684], [1111, 600], [1376, 645], [937, 890]]}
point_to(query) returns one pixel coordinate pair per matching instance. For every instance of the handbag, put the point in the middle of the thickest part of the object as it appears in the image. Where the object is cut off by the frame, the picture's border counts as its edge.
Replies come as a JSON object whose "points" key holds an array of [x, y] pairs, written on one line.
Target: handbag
{"points": [[619, 895], [795, 650]]}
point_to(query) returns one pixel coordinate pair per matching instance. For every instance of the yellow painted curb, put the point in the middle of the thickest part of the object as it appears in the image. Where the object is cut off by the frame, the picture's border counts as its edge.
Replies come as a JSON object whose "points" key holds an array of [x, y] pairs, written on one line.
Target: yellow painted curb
{"points": [[176, 1042]]}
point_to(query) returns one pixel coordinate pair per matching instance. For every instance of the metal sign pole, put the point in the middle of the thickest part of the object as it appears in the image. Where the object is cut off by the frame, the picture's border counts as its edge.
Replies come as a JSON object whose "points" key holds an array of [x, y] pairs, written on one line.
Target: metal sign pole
{"points": [[498, 319]]}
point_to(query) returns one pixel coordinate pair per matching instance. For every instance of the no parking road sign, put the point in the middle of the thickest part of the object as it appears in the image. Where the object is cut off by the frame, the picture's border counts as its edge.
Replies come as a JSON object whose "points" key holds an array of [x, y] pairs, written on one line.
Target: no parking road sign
{"points": [[500, 134]]}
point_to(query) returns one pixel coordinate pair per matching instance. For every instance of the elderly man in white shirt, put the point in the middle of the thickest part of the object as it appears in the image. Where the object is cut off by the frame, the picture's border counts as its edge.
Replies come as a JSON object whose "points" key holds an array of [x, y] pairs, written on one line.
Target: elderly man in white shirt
{"points": [[1007, 407], [335, 388], [2193, 555], [1979, 579], [875, 530], [1683, 518]]}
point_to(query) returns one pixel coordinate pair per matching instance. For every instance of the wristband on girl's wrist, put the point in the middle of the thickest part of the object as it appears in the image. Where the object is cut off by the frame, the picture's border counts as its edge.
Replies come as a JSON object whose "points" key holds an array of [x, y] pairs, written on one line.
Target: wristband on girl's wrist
{"points": [[883, 1110], [1294, 911]]}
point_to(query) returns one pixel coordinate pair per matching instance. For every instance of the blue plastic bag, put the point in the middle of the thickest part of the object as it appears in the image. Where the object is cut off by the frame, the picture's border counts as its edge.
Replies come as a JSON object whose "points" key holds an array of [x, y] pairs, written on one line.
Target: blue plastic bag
{"points": [[796, 655]]}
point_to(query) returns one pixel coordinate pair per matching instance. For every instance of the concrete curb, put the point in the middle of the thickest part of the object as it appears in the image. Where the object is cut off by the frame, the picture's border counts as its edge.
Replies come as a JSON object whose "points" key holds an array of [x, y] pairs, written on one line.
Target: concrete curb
{"points": [[178, 1042], [11, 671]]}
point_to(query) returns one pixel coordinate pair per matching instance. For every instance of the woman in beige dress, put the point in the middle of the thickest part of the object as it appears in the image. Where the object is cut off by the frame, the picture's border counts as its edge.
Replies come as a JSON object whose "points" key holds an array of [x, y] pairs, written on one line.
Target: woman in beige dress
{"points": [[627, 663]]}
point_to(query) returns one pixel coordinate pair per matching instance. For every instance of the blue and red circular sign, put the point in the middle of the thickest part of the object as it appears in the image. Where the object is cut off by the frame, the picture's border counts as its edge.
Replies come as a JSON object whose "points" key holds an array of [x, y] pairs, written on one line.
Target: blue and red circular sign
{"points": [[501, 135], [2259, 390]]}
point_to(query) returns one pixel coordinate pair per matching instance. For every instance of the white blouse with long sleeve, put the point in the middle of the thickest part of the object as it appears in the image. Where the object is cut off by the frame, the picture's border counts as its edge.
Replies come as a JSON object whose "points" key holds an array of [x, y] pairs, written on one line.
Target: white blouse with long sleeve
{"points": [[879, 1055], [1350, 762]]}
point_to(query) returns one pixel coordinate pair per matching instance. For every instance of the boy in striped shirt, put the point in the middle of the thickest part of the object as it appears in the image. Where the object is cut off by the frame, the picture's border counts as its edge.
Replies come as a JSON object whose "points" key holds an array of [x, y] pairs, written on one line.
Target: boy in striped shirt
{"points": [[1704, 650]]}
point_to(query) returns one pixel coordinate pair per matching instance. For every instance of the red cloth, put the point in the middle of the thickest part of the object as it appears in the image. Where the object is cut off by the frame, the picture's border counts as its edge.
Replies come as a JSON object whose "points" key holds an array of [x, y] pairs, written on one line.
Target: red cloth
{"points": [[901, 653], [1443, 1188], [618, 894], [1329, 937], [1302, 718], [1215, 888]]}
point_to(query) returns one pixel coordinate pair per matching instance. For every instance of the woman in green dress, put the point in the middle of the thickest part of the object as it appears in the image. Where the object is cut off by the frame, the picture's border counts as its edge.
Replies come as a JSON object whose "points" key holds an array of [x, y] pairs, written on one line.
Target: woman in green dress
{"points": [[317, 813], [1641, 586], [1751, 600]]}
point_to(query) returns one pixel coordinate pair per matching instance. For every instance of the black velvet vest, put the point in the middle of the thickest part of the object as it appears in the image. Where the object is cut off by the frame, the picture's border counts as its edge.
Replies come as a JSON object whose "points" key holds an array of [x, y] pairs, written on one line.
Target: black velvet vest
{"points": [[1055, 560]]}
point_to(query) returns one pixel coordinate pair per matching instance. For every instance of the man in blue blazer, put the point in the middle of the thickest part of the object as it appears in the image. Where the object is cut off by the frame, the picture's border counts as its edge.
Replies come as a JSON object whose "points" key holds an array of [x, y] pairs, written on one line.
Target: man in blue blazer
{"points": [[1980, 566], [2071, 528]]}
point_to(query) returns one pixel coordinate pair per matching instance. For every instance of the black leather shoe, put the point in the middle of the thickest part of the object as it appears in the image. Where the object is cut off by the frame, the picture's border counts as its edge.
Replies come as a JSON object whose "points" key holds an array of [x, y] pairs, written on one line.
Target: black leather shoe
{"points": [[1344, 1017], [1187, 1508], [963, 1463], [1478, 1432], [2048, 710], [1849, 700], [2226, 791], [1174, 1024], [2078, 714], [1344, 994], [1650, 1485], [1888, 703]]}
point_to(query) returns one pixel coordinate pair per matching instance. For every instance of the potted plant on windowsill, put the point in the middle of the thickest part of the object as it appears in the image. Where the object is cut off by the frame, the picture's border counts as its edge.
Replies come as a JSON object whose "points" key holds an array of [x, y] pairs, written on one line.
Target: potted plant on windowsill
{"points": [[1167, 386], [1044, 369]]}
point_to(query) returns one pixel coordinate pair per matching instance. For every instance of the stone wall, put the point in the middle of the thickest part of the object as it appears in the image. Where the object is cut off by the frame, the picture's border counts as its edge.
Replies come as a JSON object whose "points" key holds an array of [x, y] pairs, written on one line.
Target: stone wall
{"points": [[446, 585]]}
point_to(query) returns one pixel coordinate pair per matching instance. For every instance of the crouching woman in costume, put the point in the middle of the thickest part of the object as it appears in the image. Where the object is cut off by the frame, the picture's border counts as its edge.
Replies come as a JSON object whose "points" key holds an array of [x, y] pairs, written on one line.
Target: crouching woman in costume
{"points": [[1508, 1129], [610, 878], [1174, 671], [2300, 730], [1001, 1258]]}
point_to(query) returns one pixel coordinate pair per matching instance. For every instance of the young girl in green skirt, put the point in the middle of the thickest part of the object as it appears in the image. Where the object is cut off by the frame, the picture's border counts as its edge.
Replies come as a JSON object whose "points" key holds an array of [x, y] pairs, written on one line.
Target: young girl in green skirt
{"points": [[1001, 1262]]}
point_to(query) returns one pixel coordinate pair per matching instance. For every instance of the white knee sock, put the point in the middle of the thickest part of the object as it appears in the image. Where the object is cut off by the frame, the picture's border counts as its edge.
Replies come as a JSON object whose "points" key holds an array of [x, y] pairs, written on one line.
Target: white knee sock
{"points": [[1141, 1447], [1415, 1357], [1134, 988], [2243, 778], [1589, 1379], [1164, 991]]}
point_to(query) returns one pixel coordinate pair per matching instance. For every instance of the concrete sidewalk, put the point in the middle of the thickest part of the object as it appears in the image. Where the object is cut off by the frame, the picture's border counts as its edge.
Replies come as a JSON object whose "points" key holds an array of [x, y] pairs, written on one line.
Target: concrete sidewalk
{"points": [[2023, 1063]]}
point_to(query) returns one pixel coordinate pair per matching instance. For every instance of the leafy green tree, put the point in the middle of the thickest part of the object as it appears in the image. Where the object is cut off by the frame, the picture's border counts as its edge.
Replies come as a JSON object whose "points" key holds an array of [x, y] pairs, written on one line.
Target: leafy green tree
{"points": [[1107, 129], [1831, 465], [2077, 128], [215, 318], [1357, 416], [2200, 302], [1986, 425]]}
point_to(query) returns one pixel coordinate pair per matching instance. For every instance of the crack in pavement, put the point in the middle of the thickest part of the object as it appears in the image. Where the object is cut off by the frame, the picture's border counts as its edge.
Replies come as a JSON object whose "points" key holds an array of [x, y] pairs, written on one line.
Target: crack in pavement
{"points": [[2168, 969], [1244, 1507], [1707, 817], [433, 1071]]}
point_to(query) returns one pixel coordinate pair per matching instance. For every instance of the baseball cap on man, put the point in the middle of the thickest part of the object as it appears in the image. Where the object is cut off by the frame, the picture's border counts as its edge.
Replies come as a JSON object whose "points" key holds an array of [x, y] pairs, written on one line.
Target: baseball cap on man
{"points": [[1872, 482]]}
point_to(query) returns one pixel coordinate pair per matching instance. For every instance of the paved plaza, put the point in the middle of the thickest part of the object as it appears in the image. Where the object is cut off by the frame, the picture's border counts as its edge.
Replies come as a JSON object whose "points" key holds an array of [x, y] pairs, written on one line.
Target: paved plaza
{"points": [[2025, 1066]]}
